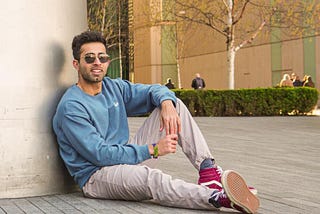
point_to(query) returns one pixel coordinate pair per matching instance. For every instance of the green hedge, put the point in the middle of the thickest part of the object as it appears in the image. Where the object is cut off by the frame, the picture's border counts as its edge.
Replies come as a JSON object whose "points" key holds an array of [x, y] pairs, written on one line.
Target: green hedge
{"points": [[250, 102]]}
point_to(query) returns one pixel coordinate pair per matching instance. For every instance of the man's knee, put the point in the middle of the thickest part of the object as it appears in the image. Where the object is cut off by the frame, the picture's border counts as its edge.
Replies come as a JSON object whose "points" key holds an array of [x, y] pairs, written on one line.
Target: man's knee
{"points": [[180, 106]]}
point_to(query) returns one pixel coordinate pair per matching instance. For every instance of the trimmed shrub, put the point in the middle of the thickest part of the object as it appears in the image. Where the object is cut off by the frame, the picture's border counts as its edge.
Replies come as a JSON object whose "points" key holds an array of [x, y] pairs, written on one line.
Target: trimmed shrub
{"points": [[250, 102]]}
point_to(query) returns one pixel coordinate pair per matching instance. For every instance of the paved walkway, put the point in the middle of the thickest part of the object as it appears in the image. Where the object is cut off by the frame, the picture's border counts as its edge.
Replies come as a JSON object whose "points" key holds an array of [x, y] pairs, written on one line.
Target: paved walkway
{"points": [[280, 156]]}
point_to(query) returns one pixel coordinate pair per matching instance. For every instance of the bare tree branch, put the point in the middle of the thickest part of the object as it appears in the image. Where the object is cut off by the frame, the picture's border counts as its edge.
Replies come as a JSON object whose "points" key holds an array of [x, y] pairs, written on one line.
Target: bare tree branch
{"points": [[249, 41], [208, 15], [241, 13]]}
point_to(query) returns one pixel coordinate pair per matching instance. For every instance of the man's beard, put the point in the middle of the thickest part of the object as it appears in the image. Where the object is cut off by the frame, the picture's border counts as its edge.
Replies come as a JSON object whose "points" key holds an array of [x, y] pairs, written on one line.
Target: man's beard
{"points": [[91, 79]]}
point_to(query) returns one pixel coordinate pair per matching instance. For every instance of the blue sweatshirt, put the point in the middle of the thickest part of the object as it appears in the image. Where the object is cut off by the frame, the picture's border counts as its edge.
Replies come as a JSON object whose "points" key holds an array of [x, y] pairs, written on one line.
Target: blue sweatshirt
{"points": [[93, 131]]}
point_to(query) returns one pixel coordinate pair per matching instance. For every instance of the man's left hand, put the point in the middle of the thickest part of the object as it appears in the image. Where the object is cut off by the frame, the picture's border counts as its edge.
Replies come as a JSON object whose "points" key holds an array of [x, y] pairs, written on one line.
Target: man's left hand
{"points": [[170, 120]]}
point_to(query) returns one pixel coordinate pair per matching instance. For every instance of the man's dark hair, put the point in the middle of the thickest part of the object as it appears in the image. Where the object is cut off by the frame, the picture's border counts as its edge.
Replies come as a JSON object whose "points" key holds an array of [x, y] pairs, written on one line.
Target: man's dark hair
{"points": [[86, 37]]}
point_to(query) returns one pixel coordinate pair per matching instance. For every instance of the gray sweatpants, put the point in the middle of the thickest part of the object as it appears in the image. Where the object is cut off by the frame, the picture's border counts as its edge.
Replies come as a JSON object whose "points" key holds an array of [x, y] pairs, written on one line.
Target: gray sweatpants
{"points": [[140, 182]]}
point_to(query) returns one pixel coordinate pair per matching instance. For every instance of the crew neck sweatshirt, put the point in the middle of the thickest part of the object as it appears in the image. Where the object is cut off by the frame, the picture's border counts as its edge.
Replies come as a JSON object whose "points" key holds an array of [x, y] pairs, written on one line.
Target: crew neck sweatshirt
{"points": [[93, 131]]}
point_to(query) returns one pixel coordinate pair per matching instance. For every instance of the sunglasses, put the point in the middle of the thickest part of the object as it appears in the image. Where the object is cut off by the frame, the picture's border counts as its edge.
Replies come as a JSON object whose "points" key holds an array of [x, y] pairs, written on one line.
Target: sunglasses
{"points": [[91, 57]]}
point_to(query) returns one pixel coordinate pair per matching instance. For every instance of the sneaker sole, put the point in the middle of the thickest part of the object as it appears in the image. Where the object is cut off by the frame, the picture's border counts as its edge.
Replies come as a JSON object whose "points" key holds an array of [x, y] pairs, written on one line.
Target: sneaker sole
{"points": [[254, 191], [238, 192]]}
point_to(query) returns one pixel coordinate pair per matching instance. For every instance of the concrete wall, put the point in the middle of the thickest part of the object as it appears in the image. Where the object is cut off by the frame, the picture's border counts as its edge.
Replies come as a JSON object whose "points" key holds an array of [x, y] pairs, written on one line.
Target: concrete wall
{"points": [[36, 68]]}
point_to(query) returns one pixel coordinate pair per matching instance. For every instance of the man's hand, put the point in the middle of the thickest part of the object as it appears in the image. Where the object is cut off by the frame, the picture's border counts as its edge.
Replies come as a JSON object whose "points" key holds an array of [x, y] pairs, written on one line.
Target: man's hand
{"points": [[166, 145], [170, 120]]}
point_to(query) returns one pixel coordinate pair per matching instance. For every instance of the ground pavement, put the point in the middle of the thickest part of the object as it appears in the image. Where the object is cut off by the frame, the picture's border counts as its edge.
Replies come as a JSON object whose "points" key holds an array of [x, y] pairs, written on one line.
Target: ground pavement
{"points": [[280, 156]]}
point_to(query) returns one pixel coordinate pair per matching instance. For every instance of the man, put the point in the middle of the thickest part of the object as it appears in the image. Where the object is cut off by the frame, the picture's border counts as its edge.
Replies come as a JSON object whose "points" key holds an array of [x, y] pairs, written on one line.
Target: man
{"points": [[296, 80], [93, 135], [198, 82]]}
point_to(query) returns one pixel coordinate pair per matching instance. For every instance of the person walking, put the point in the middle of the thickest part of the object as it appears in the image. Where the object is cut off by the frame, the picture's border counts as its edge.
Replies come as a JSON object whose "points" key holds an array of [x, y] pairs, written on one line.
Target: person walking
{"points": [[92, 131]]}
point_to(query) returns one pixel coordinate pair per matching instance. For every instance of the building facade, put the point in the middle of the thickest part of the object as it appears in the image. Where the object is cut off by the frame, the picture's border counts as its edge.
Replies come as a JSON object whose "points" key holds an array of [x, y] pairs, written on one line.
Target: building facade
{"points": [[161, 50]]}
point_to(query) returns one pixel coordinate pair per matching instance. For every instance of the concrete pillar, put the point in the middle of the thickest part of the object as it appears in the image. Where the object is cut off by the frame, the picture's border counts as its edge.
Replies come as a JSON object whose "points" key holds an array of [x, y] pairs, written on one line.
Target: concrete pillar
{"points": [[36, 68]]}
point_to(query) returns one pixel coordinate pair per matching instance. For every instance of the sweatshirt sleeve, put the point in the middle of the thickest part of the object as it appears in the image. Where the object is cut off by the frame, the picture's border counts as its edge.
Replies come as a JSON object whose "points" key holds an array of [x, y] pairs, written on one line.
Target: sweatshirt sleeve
{"points": [[143, 98], [77, 129]]}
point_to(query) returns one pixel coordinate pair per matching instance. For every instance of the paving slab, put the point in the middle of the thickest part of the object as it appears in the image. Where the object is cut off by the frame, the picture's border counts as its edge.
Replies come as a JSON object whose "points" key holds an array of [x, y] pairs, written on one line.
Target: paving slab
{"points": [[280, 156]]}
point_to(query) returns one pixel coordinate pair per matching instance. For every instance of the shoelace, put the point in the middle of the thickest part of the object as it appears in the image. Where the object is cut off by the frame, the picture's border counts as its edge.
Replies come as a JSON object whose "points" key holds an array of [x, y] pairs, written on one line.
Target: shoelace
{"points": [[219, 170], [218, 194], [220, 199]]}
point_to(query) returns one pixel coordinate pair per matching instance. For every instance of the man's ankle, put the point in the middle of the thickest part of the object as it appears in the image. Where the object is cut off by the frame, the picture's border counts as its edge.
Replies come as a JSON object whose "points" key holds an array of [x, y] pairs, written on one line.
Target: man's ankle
{"points": [[207, 163]]}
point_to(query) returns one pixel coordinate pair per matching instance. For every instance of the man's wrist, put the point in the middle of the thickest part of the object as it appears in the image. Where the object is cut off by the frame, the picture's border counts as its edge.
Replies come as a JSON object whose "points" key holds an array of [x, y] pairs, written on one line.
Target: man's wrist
{"points": [[166, 102], [155, 150]]}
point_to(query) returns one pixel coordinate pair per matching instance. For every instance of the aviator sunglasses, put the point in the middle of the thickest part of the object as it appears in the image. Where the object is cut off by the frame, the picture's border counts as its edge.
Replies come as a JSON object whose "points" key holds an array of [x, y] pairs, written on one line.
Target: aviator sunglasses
{"points": [[91, 57]]}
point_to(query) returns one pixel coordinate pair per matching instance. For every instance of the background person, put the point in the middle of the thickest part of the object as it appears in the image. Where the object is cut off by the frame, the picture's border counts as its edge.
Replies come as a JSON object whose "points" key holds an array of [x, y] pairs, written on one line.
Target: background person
{"points": [[286, 81], [296, 80], [169, 84], [198, 82], [308, 82]]}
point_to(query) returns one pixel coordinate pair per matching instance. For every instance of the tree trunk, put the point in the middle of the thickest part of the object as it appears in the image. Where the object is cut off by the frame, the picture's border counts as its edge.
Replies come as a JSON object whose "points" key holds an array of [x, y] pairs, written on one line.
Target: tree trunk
{"points": [[103, 16], [230, 45], [231, 59], [119, 37], [177, 55], [178, 73]]}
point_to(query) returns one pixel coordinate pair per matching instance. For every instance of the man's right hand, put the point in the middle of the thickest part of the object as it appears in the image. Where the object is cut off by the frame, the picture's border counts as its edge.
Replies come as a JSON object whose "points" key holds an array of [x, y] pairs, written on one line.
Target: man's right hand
{"points": [[166, 145]]}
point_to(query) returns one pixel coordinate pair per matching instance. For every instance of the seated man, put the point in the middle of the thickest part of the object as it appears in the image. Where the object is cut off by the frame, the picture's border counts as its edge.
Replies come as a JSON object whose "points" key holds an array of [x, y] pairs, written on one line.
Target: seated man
{"points": [[93, 135]]}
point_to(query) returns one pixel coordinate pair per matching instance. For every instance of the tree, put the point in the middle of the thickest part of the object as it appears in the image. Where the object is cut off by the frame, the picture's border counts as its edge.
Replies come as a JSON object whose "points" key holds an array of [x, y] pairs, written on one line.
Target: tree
{"points": [[110, 17], [240, 21], [158, 14]]}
